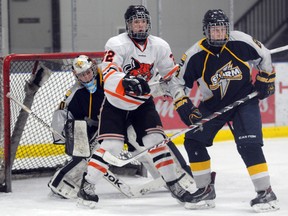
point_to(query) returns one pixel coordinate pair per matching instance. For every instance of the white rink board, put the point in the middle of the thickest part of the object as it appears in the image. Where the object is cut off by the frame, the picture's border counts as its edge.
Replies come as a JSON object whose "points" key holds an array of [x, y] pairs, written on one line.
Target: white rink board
{"points": [[281, 94]]}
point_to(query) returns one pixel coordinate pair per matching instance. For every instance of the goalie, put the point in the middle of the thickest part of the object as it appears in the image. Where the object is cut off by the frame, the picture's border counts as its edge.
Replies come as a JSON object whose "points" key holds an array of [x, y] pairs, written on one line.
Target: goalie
{"points": [[81, 102]]}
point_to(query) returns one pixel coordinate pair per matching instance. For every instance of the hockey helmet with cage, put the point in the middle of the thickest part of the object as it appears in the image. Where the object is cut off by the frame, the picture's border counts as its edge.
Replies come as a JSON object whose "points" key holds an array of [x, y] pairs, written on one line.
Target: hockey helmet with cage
{"points": [[137, 12], [215, 17], [83, 65]]}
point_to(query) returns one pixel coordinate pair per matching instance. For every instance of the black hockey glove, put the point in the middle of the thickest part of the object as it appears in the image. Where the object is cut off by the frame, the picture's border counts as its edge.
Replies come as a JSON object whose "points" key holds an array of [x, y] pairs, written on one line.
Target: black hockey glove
{"points": [[265, 84], [188, 113], [137, 85]]}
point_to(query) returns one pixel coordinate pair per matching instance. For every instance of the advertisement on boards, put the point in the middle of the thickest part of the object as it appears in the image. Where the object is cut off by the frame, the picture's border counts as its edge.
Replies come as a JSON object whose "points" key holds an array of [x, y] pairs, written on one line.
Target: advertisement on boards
{"points": [[274, 110]]}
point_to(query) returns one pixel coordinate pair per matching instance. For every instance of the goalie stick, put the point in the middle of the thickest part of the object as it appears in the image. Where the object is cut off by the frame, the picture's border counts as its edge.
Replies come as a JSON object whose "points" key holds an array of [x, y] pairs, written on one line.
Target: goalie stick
{"points": [[110, 158], [25, 108], [82, 149]]}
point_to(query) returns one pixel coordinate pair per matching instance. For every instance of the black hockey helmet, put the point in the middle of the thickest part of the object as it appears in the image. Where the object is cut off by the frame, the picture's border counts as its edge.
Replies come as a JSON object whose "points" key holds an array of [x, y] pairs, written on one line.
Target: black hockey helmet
{"points": [[215, 17], [137, 12]]}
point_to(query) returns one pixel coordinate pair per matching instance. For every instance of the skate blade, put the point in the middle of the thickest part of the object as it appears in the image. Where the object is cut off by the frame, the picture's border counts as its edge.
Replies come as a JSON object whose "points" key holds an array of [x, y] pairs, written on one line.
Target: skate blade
{"points": [[204, 204], [86, 203], [266, 207]]}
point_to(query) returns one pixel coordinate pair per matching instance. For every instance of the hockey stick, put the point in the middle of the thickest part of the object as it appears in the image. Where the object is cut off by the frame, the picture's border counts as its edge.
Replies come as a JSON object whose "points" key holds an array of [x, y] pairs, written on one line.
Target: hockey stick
{"points": [[25, 108], [279, 49], [110, 158], [133, 191]]}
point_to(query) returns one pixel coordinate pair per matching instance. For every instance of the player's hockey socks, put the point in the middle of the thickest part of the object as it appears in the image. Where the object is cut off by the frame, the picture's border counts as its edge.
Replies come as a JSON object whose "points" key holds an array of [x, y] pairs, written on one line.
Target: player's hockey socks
{"points": [[203, 198], [265, 201]]}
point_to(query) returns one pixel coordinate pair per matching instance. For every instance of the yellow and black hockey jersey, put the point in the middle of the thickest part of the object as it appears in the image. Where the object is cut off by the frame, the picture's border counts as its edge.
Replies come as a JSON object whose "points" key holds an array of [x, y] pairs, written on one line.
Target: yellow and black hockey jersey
{"points": [[224, 75]]}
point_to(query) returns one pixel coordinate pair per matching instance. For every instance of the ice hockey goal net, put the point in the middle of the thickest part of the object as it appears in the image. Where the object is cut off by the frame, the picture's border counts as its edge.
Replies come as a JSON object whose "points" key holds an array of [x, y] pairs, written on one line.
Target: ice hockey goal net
{"points": [[32, 142]]}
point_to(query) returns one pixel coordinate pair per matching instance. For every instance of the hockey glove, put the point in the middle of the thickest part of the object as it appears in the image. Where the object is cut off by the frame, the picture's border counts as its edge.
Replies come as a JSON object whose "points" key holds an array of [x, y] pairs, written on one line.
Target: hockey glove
{"points": [[265, 84], [136, 85], [188, 113]]}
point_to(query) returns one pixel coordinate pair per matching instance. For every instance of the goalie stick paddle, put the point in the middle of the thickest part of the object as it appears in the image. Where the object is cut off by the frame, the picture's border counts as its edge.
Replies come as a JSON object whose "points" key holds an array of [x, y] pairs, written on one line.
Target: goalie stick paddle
{"points": [[34, 115], [110, 158]]}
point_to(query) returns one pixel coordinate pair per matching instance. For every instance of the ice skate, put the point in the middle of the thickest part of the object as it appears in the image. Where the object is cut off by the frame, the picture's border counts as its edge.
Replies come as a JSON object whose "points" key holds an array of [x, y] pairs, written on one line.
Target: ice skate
{"points": [[178, 192], [203, 198], [265, 201], [86, 194]]}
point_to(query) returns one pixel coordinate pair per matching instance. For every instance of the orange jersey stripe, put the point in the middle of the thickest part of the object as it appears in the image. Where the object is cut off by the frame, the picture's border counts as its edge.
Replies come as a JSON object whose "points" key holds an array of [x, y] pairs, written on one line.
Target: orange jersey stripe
{"points": [[120, 89], [108, 75], [101, 150], [97, 166], [110, 65], [156, 150], [171, 72], [164, 163], [122, 97]]}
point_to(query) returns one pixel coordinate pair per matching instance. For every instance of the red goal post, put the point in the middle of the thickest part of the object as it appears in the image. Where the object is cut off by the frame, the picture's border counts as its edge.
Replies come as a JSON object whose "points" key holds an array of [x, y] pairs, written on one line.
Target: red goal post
{"points": [[35, 152]]}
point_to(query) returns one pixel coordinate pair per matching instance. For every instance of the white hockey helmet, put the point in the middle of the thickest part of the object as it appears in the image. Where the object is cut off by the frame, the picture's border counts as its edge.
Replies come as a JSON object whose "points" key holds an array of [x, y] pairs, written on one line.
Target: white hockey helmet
{"points": [[81, 65]]}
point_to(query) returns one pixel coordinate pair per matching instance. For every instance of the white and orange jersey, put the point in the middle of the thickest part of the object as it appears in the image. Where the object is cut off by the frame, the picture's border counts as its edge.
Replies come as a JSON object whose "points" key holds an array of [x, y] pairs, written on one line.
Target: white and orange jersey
{"points": [[123, 55]]}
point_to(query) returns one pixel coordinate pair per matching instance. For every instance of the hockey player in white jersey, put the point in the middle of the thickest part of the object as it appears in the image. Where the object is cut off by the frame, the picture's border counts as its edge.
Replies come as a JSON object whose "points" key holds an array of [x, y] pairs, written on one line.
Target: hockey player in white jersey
{"points": [[131, 60]]}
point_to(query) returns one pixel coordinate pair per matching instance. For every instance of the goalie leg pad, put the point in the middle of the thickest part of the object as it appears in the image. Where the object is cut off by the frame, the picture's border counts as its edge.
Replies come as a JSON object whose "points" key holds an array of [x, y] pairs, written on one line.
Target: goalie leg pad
{"points": [[66, 181], [77, 143]]}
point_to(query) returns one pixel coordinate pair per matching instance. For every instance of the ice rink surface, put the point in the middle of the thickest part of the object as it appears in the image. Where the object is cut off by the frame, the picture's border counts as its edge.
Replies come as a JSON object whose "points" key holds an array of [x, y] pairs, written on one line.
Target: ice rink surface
{"points": [[233, 188]]}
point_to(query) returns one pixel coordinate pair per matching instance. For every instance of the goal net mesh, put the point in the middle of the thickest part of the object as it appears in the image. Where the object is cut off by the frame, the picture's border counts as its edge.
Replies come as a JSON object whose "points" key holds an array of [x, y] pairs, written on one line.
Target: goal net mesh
{"points": [[36, 152]]}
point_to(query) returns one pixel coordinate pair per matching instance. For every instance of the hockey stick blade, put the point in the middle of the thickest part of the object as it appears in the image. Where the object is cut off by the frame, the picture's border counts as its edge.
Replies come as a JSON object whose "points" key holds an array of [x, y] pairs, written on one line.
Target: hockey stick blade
{"points": [[111, 159]]}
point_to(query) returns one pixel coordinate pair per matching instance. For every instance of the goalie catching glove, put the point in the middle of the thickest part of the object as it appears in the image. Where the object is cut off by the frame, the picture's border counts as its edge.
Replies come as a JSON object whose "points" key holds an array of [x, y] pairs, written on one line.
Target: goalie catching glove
{"points": [[188, 113], [136, 85], [265, 84]]}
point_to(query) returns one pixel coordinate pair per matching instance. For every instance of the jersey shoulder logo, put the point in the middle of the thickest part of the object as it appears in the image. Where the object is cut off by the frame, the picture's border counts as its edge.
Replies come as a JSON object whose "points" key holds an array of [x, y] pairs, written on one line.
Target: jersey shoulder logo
{"points": [[257, 43], [223, 76]]}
